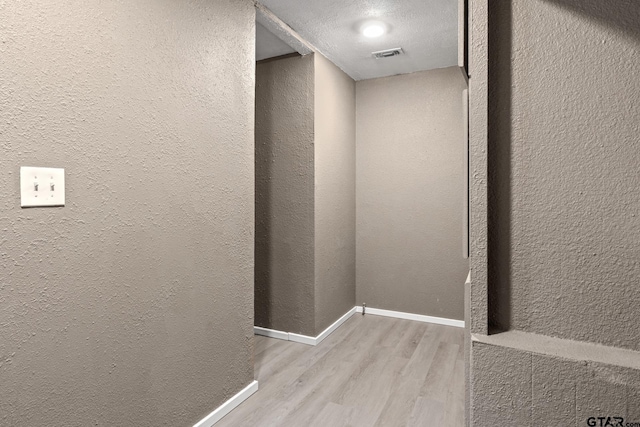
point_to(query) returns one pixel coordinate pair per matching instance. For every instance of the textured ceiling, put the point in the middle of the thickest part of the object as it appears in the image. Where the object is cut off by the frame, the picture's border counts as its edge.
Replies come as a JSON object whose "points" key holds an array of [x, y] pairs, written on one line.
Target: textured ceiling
{"points": [[268, 45], [427, 30]]}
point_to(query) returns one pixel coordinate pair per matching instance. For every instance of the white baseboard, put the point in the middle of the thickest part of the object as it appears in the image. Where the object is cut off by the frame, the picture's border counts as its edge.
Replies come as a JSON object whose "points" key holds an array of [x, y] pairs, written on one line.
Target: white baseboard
{"points": [[335, 325], [304, 339], [271, 333], [411, 316], [228, 406]]}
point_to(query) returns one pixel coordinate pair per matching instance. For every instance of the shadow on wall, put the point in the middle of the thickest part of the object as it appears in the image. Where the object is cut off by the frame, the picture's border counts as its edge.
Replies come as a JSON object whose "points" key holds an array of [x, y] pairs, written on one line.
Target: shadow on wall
{"points": [[263, 207], [499, 167], [621, 15]]}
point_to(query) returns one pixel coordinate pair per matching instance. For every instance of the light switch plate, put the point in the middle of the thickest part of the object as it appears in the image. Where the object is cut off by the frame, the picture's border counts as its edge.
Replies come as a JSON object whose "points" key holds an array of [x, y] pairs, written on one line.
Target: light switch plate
{"points": [[41, 187]]}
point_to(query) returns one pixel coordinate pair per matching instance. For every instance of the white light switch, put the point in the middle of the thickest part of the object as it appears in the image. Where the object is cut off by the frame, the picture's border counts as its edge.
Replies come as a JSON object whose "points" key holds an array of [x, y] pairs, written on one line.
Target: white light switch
{"points": [[41, 187]]}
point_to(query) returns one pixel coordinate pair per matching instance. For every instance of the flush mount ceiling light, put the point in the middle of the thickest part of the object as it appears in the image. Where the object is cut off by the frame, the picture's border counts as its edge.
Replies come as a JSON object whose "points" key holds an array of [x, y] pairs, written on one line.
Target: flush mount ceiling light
{"points": [[373, 29]]}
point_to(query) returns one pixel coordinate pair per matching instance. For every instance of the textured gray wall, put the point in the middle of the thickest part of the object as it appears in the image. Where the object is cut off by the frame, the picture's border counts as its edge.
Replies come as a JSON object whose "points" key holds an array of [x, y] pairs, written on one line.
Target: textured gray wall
{"points": [[535, 387], [565, 204], [410, 188], [560, 139], [284, 298], [133, 304], [476, 310], [335, 187], [305, 194]]}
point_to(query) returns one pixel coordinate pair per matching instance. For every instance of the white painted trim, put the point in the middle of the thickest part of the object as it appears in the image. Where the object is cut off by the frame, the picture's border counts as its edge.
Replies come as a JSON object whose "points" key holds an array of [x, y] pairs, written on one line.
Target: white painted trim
{"points": [[271, 333], [335, 325], [304, 339], [228, 406], [411, 316]]}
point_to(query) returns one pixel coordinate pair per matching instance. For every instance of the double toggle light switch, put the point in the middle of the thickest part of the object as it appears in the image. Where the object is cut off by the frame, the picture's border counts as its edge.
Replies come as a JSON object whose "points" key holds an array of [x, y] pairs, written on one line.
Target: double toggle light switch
{"points": [[41, 187]]}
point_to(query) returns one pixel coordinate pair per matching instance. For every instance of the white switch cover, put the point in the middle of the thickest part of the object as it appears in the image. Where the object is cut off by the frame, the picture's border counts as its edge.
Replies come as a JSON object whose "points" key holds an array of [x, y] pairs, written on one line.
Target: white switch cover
{"points": [[41, 187]]}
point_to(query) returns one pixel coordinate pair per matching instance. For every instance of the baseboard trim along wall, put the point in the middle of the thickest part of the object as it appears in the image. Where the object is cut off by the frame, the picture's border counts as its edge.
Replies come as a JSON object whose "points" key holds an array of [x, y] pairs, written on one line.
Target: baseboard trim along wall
{"points": [[228, 406], [335, 325], [304, 339], [271, 333], [411, 316]]}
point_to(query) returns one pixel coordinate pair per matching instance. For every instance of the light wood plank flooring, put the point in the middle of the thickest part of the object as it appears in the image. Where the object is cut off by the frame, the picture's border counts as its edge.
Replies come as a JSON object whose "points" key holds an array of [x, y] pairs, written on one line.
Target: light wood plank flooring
{"points": [[372, 371]]}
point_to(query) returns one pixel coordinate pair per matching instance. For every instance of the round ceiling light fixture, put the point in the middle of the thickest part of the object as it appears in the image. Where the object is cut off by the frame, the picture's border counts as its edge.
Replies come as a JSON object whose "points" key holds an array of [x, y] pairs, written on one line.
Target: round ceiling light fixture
{"points": [[373, 29]]}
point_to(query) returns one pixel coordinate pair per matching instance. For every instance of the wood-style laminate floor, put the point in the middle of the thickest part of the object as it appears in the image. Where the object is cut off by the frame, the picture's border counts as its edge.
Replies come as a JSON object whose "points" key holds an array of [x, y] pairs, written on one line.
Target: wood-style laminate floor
{"points": [[372, 371]]}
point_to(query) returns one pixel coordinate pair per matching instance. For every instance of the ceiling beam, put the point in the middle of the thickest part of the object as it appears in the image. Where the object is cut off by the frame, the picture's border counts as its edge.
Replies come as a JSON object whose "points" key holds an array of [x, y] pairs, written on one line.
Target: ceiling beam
{"points": [[283, 31]]}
